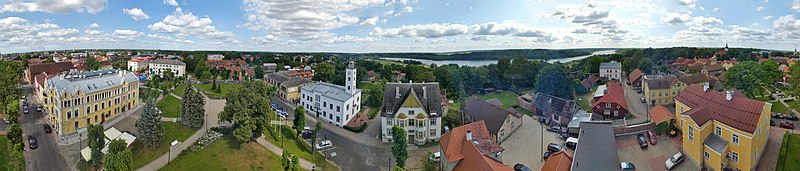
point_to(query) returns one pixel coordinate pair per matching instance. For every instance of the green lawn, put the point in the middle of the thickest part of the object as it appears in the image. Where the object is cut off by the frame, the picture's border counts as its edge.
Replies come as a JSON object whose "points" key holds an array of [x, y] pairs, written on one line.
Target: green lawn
{"points": [[778, 107], [179, 90], [298, 147], [213, 94], [172, 131], [508, 98], [224, 154], [584, 102], [788, 158], [170, 106], [763, 98], [5, 158]]}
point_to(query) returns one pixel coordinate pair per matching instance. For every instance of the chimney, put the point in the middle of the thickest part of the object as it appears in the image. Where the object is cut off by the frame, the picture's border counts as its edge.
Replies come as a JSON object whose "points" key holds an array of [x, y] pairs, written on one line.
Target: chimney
{"points": [[469, 135], [705, 87], [396, 92], [729, 95], [424, 93]]}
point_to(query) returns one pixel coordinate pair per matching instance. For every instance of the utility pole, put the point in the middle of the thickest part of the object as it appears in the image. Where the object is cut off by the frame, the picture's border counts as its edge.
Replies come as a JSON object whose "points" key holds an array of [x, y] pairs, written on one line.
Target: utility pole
{"points": [[541, 143]]}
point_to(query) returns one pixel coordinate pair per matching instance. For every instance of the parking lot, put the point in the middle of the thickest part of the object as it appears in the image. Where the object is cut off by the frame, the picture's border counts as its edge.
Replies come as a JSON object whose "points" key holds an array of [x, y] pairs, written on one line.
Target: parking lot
{"points": [[521, 147], [654, 156]]}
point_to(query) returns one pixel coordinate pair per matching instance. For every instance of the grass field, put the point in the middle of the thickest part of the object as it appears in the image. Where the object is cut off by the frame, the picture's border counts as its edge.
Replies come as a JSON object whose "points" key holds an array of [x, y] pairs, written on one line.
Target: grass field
{"points": [[179, 90], [778, 107], [213, 94], [170, 106], [508, 98], [584, 101], [5, 158], [788, 158], [224, 154], [172, 131], [297, 147]]}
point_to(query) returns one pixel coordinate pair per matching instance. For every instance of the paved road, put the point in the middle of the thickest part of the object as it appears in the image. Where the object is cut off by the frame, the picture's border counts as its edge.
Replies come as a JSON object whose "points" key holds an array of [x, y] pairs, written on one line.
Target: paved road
{"points": [[350, 155], [635, 105], [47, 156]]}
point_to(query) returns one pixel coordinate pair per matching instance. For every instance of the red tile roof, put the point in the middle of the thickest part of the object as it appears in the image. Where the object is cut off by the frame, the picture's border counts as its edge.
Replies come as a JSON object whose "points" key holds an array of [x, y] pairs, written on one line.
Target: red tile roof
{"points": [[740, 112], [471, 156], [659, 113], [634, 75], [559, 161], [616, 94], [452, 141]]}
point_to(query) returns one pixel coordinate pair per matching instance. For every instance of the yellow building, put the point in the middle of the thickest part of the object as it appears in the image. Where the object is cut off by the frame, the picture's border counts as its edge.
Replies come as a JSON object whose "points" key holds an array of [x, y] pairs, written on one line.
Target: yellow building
{"points": [[722, 129], [664, 89], [72, 101]]}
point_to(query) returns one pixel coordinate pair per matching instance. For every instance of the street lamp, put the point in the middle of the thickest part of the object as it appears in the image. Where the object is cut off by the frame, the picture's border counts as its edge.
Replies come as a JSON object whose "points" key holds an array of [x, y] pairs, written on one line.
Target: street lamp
{"points": [[169, 153]]}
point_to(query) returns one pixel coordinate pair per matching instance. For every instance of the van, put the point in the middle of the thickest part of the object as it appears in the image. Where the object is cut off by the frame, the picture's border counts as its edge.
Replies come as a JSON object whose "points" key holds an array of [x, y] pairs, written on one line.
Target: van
{"points": [[571, 142]]}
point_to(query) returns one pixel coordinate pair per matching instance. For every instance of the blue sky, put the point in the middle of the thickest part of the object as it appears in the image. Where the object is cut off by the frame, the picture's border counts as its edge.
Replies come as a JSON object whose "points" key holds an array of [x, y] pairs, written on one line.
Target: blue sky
{"points": [[395, 25]]}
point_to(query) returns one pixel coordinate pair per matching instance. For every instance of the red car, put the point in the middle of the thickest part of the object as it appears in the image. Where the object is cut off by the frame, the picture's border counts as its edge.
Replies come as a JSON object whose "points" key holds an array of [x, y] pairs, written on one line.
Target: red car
{"points": [[652, 137], [787, 125]]}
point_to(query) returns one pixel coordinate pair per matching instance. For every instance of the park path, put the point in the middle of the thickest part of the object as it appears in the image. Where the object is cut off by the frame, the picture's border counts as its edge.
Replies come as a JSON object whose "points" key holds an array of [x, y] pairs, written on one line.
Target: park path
{"points": [[216, 106], [782, 102], [305, 164]]}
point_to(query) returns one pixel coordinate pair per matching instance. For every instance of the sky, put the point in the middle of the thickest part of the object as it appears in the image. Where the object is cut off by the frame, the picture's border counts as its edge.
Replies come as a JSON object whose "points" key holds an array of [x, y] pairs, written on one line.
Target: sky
{"points": [[395, 25]]}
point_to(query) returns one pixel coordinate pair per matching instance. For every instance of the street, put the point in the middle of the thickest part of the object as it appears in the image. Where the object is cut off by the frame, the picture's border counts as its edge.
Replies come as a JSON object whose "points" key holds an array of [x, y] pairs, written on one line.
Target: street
{"points": [[46, 156], [635, 105]]}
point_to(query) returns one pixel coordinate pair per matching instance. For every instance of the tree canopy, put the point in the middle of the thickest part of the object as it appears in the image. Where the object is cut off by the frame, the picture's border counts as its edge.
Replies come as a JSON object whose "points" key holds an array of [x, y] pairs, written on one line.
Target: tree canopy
{"points": [[150, 126], [246, 109], [192, 108], [554, 79], [299, 119], [399, 146], [91, 64], [119, 157], [746, 76], [324, 72], [97, 140]]}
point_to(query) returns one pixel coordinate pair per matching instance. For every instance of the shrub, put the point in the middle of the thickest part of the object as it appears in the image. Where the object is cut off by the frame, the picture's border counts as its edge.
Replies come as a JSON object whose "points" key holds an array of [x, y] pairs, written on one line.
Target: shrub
{"points": [[358, 129], [207, 138]]}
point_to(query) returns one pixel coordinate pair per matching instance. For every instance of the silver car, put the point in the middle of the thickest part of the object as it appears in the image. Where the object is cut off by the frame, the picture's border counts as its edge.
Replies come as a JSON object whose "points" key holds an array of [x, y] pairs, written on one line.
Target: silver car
{"points": [[674, 160]]}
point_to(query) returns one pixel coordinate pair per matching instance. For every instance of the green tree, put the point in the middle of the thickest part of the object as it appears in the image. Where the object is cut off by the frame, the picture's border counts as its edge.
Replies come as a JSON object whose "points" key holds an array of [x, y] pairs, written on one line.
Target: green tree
{"points": [[245, 108], [192, 108], [317, 129], [290, 162], [15, 133], [17, 162], [121, 64], [299, 119], [205, 76], [427, 164], [150, 126], [772, 73], [398, 168], [375, 98], [746, 76], [426, 76], [9, 79], [399, 146], [91, 64], [259, 72], [168, 75], [555, 80], [794, 80], [324, 72], [119, 157], [97, 140]]}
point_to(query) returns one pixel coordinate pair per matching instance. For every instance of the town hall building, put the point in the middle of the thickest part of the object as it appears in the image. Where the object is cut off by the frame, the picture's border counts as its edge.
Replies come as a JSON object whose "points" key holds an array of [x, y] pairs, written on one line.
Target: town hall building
{"points": [[332, 103]]}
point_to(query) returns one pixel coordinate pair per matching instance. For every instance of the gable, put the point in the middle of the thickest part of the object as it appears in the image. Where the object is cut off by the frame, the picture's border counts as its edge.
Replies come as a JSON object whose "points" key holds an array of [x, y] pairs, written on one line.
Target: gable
{"points": [[411, 101]]}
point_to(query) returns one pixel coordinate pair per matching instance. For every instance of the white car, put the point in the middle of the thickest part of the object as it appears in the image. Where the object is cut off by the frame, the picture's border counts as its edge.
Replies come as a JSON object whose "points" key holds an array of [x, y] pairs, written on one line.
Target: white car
{"points": [[323, 145], [674, 160], [436, 157]]}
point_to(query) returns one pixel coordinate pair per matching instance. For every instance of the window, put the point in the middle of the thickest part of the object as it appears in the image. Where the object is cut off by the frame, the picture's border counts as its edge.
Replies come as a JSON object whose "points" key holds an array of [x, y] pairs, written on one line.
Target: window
{"points": [[402, 123], [691, 134], [718, 131], [388, 122], [420, 123], [69, 114], [734, 156], [76, 125], [618, 106], [681, 109], [598, 106], [433, 133], [616, 113], [338, 108], [705, 154], [433, 121], [411, 112], [735, 139], [608, 105]]}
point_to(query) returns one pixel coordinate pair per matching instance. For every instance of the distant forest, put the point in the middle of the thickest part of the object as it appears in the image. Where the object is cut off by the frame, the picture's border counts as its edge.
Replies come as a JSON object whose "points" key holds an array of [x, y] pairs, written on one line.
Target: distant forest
{"points": [[543, 54]]}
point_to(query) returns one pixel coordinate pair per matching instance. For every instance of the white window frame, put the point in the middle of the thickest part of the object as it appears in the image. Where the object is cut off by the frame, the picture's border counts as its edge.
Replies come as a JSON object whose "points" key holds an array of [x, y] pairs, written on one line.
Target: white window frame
{"points": [[690, 133], [735, 139], [718, 131], [734, 156], [608, 105], [706, 155]]}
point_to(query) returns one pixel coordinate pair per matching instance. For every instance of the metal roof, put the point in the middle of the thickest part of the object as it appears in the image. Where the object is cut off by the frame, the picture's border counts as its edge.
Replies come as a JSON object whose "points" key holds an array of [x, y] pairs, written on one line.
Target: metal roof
{"points": [[329, 90], [89, 82], [611, 65], [597, 148]]}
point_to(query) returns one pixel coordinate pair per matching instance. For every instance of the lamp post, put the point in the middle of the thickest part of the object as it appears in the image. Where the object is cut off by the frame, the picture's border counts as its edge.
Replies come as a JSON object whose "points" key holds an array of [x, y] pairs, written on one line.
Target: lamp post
{"points": [[169, 151]]}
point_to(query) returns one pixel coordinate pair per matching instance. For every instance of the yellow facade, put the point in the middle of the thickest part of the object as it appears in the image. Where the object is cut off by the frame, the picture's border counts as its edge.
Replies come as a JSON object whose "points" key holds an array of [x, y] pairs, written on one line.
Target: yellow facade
{"points": [[749, 148], [663, 96], [69, 112]]}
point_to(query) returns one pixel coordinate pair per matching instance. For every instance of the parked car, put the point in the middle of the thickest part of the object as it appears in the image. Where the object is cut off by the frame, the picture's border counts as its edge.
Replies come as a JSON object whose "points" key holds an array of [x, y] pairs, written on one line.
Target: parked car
{"points": [[521, 167], [571, 143], [777, 116], [564, 135], [5, 120], [553, 147], [546, 155], [435, 157], [32, 142], [627, 166], [787, 125], [674, 160], [639, 90], [643, 100], [554, 129], [791, 117], [771, 122], [642, 141], [25, 109], [283, 117], [47, 128], [38, 108], [323, 145], [652, 136]]}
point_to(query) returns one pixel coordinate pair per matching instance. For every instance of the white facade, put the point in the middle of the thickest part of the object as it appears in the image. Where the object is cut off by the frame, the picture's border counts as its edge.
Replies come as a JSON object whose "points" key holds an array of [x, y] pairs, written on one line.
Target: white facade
{"points": [[417, 108], [334, 104], [215, 57], [159, 66], [422, 130], [137, 65], [611, 70]]}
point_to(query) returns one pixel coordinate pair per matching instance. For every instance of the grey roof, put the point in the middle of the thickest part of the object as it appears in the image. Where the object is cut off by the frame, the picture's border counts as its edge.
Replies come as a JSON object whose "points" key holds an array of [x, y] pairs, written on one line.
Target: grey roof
{"points": [[167, 62], [578, 118], [329, 90], [597, 148], [716, 143], [547, 104], [294, 82], [610, 65], [659, 84], [279, 77], [428, 94], [89, 82], [494, 116]]}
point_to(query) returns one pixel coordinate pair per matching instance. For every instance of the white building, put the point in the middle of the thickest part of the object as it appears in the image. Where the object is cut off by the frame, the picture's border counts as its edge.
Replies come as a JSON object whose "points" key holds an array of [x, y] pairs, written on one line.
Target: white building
{"points": [[137, 64], [416, 107], [332, 103], [177, 67], [611, 70], [215, 57]]}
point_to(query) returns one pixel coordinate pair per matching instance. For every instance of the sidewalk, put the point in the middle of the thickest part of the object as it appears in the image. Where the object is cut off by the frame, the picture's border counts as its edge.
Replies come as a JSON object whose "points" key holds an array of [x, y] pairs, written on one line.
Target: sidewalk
{"points": [[305, 164]]}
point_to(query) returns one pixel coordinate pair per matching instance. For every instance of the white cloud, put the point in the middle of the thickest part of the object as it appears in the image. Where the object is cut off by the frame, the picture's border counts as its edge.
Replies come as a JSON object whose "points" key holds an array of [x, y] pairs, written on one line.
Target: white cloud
{"points": [[481, 38], [171, 2], [796, 7], [715, 10], [94, 25], [369, 22], [136, 14], [759, 8], [674, 18], [688, 3], [187, 24], [56, 6], [127, 34], [769, 17], [706, 21], [437, 30]]}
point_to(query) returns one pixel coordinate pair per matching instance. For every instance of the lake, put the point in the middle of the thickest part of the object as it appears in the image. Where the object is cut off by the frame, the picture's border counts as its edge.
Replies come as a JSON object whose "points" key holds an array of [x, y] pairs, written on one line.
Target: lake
{"points": [[487, 62]]}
